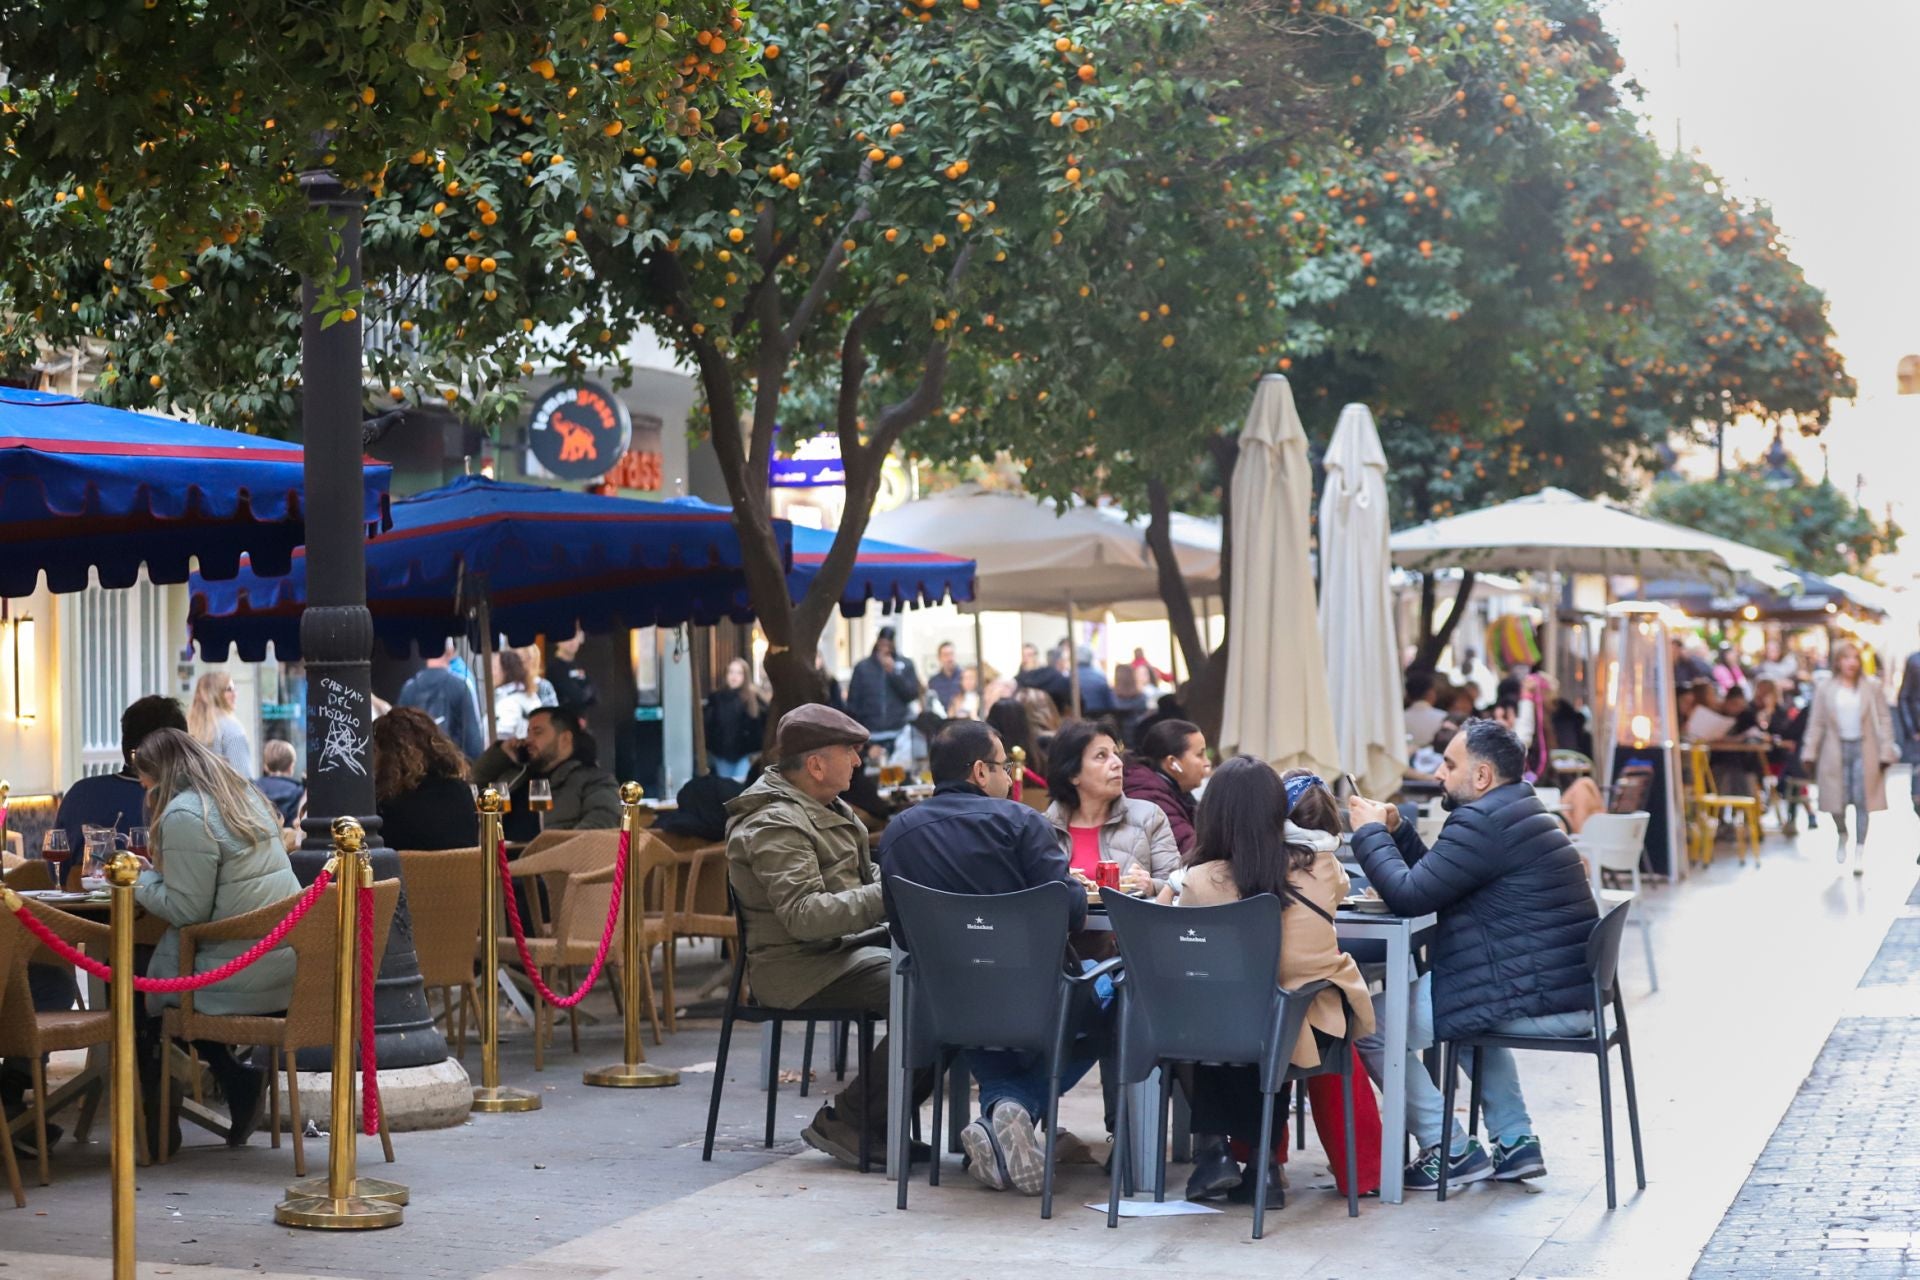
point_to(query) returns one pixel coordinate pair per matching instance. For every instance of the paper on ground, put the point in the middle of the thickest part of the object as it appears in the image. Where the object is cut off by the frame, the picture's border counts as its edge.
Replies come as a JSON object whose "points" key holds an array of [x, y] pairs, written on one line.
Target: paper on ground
{"points": [[1151, 1209]]}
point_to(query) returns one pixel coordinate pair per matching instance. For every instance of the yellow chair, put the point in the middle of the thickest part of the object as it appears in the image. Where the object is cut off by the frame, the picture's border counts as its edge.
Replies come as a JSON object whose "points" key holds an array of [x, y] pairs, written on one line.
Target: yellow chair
{"points": [[1707, 806]]}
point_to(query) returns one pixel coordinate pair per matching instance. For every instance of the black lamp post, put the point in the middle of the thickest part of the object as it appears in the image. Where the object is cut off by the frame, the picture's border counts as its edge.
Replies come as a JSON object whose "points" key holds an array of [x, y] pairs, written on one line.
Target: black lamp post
{"points": [[336, 631]]}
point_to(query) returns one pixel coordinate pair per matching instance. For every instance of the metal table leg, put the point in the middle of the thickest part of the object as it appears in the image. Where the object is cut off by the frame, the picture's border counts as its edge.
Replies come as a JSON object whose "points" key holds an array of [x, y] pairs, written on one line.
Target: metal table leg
{"points": [[1393, 1069]]}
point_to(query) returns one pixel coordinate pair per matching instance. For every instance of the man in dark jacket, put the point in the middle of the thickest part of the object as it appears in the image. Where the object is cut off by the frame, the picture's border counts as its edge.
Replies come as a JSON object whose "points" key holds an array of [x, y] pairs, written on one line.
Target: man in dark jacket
{"points": [[969, 838], [1910, 717], [882, 688], [1096, 695], [559, 750], [447, 698], [1508, 953]]}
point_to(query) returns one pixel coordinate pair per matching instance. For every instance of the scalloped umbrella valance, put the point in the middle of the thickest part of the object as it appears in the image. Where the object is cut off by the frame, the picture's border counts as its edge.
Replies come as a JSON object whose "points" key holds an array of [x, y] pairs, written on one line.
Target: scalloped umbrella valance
{"points": [[87, 488], [543, 559]]}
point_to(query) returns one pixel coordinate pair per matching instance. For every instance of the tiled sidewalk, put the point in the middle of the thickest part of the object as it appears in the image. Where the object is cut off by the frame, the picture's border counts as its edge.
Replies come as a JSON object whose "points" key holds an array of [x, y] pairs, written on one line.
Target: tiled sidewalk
{"points": [[1837, 1190]]}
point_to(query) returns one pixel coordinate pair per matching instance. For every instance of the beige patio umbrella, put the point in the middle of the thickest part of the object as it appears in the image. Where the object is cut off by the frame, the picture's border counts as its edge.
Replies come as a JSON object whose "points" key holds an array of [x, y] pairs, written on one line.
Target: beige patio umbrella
{"points": [[1356, 606], [1277, 706]]}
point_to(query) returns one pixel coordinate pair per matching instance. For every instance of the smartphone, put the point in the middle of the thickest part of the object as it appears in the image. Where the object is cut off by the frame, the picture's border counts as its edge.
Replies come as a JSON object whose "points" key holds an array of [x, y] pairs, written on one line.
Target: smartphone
{"points": [[1353, 788]]}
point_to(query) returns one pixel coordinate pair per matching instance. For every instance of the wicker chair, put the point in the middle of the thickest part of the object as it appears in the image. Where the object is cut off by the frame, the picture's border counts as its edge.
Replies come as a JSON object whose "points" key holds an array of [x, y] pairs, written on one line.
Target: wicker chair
{"points": [[551, 859], [581, 903], [308, 1021], [445, 892], [29, 1034], [11, 935], [29, 877]]}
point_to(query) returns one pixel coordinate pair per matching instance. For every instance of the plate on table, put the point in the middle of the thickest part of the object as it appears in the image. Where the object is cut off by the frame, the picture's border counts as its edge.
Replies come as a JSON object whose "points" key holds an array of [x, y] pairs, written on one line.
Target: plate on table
{"points": [[1359, 902]]}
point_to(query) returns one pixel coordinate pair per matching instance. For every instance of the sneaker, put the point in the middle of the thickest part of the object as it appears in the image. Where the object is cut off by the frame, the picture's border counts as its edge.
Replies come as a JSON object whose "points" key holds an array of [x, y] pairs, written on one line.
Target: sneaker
{"points": [[1214, 1172], [984, 1160], [1471, 1165], [1018, 1139], [1520, 1161], [1840, 850]]}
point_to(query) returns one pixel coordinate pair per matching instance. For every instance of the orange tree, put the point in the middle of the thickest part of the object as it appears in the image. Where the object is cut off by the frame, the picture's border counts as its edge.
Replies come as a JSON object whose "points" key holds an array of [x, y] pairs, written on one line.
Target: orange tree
{"points": [[148, 157]]}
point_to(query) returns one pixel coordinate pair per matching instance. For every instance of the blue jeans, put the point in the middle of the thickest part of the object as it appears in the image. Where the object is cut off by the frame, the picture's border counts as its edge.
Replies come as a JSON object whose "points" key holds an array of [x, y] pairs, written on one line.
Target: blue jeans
{"points": [[1505, 1109], [1003, 1073]]}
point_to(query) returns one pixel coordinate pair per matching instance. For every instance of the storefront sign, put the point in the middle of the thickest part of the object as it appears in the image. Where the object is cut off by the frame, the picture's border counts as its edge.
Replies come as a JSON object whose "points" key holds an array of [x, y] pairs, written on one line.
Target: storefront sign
{"points": [[578, 432], [637, 469], [815, 464]]}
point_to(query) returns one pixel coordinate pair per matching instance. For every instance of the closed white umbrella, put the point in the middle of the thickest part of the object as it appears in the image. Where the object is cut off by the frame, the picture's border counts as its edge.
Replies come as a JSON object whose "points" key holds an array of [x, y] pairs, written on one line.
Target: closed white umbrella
{"points": [[1356, 606], [1277, 706]]}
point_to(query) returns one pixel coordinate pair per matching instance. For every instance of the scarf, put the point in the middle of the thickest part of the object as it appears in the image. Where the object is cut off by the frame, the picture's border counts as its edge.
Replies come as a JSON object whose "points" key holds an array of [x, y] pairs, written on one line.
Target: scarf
{"points": [[1318, 841]]}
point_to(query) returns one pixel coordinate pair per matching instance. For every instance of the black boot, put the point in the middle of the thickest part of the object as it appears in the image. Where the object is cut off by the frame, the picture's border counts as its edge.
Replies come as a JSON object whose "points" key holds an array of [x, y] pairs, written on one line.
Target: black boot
{"points": [[1276, 1187], [150, 1105], [1214, 1171]]}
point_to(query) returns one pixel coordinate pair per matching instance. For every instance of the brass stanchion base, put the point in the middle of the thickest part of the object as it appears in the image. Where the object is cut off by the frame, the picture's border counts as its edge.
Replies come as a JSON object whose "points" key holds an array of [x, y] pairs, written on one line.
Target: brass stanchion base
{"points": [[632, 1075], [362, 1189], [504, 1098], [324, 1213]]}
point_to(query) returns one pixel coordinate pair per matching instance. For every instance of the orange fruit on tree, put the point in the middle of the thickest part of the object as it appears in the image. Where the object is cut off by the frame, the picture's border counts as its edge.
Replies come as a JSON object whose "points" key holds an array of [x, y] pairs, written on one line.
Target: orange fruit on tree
{"points": [[1087, 72]]}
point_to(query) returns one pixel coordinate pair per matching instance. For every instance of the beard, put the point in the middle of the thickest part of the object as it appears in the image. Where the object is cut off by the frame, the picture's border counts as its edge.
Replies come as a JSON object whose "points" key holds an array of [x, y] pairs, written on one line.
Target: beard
{"points": [[1451, 800]]}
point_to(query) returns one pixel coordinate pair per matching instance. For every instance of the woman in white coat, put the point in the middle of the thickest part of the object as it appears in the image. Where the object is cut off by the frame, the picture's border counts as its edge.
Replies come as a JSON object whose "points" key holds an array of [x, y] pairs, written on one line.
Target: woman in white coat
{"points": [[1849, 745]]}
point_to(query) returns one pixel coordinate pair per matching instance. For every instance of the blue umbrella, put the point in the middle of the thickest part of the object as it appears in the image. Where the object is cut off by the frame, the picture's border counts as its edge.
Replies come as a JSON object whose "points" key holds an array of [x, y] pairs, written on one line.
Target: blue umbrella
{"points": [[898, 577], [541, 559], [84, 487]]}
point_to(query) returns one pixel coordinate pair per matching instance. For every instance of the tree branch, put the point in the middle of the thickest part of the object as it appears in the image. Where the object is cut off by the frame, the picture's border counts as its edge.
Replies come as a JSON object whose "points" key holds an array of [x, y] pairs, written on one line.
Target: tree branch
{"points": [[1173, 588], [829, 273]]}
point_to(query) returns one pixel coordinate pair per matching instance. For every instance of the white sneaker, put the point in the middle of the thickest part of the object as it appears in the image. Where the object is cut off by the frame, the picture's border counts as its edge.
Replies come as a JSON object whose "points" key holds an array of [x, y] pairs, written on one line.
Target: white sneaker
{"points": [[1840, 849], [983, 1155], [1015, 1134]]}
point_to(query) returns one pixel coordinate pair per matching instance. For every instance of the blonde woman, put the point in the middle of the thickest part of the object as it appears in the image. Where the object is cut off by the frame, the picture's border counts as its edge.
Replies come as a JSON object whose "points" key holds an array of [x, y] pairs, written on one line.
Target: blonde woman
{"points": [[217, 854], [1849, 745], [212, 723]]}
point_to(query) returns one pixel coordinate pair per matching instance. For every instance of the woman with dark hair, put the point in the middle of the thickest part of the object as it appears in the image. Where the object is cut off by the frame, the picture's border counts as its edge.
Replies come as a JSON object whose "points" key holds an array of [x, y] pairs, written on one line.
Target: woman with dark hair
{"points": [[1092, 817], [736, 723], [420, 786], [1245, 845], [1008, 718], [1169, 767]]}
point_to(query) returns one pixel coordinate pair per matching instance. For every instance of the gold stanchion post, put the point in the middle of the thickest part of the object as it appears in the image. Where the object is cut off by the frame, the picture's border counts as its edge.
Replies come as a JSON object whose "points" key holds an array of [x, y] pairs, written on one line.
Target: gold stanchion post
{"points": [[121, 874], [341, 1206], [492, 1096], [635, 1072]]}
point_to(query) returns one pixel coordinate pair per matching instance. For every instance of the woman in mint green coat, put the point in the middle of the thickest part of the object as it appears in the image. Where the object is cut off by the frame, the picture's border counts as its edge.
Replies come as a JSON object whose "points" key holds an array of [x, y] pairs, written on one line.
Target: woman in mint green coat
{"points": [[217, 854]]}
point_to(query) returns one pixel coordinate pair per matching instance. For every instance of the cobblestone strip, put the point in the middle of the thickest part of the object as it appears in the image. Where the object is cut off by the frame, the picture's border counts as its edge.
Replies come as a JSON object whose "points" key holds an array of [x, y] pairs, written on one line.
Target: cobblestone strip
{"points": [[1836, 1192]]}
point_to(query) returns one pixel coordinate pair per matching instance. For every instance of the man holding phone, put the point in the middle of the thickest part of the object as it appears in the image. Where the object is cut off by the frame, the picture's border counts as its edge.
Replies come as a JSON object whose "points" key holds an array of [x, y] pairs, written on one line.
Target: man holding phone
{"points": [[558, 750], [1509, 950]]}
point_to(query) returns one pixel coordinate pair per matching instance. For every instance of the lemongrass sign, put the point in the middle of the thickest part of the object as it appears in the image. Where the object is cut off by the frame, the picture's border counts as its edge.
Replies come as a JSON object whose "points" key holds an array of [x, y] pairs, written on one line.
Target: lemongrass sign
{"points": [[578, 432]]}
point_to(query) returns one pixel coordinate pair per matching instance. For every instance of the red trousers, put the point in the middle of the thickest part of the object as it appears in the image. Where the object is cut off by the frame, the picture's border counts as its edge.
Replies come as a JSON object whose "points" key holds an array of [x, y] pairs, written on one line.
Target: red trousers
{"points": [[1323, 1092]]}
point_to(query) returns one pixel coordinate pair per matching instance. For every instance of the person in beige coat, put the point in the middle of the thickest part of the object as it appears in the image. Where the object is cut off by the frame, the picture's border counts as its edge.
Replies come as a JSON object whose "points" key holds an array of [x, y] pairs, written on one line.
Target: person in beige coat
{"points": [[1244, 844], [1849, 745]]}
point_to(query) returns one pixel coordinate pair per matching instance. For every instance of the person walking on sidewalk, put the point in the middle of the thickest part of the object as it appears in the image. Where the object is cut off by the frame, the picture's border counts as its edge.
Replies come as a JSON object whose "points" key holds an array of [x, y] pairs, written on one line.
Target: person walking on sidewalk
{"points": [[1850, 744], [1910, 715]]}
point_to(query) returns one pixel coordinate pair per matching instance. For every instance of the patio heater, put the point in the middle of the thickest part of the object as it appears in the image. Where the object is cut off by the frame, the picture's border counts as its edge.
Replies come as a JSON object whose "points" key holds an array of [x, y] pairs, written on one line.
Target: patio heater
{"points": [[1638, 733]]}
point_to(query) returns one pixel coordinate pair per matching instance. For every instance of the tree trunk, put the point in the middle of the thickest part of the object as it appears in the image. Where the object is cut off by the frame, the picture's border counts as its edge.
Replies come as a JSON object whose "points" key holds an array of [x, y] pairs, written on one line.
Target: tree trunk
{"points": [[1432, 641], [1206, 696], [1173, 588]]}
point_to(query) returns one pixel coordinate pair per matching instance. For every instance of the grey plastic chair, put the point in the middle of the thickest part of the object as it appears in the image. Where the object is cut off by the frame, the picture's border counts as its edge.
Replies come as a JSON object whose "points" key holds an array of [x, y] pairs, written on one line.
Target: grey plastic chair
{"points": [[987, 971], [1199, 986], [1603, 962]]}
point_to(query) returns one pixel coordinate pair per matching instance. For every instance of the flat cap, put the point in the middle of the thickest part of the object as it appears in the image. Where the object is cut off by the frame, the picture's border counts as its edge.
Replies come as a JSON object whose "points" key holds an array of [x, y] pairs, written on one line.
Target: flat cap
{"points": [[811, 727]]}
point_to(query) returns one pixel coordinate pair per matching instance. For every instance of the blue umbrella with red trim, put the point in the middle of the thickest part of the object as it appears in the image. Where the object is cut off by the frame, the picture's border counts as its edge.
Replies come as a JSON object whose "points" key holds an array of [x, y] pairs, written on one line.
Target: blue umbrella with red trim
{"points": [[85, 487], [538, 560]]}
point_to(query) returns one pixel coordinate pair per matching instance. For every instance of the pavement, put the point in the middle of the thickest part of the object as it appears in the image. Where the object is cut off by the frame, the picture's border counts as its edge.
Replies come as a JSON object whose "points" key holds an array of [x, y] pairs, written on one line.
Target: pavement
{"points": [[1772, 1079]]}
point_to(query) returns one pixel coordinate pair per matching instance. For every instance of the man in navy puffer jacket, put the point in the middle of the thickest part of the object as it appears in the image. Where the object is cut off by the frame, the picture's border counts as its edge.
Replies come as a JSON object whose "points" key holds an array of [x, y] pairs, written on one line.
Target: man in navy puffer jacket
{"points": [[1509, 950]]}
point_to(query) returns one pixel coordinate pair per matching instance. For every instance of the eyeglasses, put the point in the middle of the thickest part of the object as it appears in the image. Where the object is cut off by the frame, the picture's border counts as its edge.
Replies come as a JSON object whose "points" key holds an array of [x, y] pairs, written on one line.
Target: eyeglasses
{"points": [[1007, 765]]}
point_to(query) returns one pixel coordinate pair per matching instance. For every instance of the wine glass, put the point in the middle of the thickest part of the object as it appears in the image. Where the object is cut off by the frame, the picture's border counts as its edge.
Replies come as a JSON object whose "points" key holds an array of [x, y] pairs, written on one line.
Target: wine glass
{"points": [[55, 850], [138, 842]]}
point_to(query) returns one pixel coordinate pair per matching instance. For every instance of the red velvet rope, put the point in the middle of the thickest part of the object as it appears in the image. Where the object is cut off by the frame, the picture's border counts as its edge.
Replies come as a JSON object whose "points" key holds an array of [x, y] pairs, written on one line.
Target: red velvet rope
{"points": [[189, 982], [606, 935], [1026, 775], [369, 1061]]}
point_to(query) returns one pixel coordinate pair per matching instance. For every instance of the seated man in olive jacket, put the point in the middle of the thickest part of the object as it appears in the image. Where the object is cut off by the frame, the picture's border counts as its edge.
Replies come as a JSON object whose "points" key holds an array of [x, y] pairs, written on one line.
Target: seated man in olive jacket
{"points": [[810, 894], [1508, 951], [558, 749]]}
